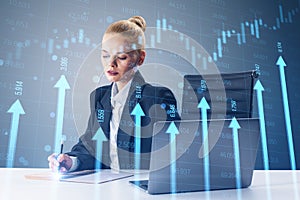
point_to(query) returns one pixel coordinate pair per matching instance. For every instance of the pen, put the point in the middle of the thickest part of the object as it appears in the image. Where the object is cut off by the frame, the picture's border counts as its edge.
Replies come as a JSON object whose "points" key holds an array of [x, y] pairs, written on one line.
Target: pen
{"points": [[61, 152], [61, 146]]}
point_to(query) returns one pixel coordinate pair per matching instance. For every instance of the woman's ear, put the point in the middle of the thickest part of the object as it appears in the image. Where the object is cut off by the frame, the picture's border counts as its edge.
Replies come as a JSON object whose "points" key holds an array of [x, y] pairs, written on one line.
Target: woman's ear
{"points": [[141, 57]]}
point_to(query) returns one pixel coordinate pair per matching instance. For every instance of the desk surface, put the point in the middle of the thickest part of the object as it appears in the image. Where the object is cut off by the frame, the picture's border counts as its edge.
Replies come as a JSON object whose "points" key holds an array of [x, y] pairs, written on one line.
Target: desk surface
{"points": [[267, 185]]}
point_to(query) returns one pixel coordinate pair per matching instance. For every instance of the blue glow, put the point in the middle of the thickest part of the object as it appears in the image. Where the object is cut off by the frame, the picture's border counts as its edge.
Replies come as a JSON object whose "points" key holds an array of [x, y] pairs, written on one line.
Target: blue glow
{"points": [[235, 126], [281, 14], [173, 131], [220, 48], [203, 105], [66, 44], [99, 137], [277, 22], [164, 24], [47, 148], [54, 57], [80, 35], [243, 33], [215, 56], [259, 89], [16, 109], [50, 46], [73, 40], [138, 112], [252, 29], [228, 34], [62, 86], [109, 19], [280, 62], [158, 29], [256, 29], [239, 38], [224, 37]]}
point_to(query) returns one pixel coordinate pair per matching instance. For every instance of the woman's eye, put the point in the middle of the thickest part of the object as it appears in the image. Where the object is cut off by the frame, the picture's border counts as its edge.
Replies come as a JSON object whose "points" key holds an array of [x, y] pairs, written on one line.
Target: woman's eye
{"points": [[122, 58]]}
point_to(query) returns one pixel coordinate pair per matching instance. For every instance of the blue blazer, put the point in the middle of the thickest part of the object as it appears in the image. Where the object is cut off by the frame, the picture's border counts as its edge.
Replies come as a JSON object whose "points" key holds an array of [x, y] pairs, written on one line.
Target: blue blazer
{"points": [[157, 103]]}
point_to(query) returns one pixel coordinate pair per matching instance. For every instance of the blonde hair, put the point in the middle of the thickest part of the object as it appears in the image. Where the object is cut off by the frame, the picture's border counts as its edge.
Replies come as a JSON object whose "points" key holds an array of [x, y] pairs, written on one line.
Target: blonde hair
{"points": [[133, 29]]}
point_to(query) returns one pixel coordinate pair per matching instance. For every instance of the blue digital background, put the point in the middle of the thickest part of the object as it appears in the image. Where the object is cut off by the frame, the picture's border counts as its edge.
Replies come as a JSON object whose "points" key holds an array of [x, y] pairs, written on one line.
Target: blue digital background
{"points": [[43, 40]]}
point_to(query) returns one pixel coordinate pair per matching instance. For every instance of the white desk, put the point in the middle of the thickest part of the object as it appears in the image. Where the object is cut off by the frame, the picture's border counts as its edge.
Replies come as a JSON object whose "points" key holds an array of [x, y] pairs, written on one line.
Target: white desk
{"points": [[14, 186]]}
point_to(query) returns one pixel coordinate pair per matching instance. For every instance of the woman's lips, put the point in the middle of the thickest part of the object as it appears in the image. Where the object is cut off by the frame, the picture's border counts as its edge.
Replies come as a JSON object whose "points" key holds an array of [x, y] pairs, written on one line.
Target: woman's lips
{"points": [[112, 73]]}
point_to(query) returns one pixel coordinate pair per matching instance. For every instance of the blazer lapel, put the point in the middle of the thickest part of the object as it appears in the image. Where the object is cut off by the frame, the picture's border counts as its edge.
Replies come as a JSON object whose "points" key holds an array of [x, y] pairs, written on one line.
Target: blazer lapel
{"points": [[104, 108]]}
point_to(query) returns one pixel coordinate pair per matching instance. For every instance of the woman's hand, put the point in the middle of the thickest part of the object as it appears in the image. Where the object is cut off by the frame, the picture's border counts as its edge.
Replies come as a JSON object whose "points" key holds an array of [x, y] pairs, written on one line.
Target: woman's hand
{"points": [[60, 163]]}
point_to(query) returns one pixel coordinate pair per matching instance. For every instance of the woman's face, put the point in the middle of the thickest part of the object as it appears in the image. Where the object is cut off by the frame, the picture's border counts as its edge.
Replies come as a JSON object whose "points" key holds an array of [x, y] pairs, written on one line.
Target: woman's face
{"points": [[119, 58]]}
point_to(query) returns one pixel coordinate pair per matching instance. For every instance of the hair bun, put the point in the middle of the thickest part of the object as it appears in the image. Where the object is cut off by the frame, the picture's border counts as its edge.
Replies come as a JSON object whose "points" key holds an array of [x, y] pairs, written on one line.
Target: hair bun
{"points": [[138, 20]]}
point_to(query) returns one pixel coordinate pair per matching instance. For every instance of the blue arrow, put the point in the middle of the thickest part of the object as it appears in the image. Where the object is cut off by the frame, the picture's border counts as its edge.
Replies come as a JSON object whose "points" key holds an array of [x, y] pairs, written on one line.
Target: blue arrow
{"points": [[173, 131], [16, 109], [259, 88], [235, 126], [203, 105], [99, 137], [280, 62], [138, 112], [62, 86]]}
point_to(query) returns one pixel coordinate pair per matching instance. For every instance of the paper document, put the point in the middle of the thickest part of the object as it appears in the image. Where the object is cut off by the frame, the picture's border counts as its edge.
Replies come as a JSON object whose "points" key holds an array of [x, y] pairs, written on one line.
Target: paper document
{"points": [[85, 176], [96, 177]]}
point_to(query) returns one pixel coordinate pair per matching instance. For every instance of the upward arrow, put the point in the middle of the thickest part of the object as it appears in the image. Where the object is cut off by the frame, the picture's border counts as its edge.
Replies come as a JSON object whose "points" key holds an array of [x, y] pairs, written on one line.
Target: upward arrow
{"points": [[173, 131], [203, 105], [16, 109], [235, 126], [138, 112], [203, 152], [280, 62], [99, 137], [259, 89], [62, 86]]}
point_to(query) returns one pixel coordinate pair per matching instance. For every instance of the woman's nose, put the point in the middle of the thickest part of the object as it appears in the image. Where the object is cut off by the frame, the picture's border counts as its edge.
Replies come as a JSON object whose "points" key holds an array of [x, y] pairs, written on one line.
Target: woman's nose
{"points": [[112, 62]]}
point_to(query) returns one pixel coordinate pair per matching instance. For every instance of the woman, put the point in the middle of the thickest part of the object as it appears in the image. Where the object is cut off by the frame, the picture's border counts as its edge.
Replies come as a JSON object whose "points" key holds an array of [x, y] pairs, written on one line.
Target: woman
{"points": [[117, 108]]}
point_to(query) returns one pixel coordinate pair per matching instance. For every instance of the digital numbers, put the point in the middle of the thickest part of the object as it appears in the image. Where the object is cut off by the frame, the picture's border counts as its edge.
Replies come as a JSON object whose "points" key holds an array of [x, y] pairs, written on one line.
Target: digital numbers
{"points": [[19, 88], [64, 64], [233, 105], [279, 47], [100, 115], [172, 110], [138, 92]]}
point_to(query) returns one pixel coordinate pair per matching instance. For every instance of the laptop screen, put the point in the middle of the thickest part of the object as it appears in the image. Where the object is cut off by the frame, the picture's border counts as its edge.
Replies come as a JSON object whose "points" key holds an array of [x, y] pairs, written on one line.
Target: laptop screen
{"points": [[193, 170]]}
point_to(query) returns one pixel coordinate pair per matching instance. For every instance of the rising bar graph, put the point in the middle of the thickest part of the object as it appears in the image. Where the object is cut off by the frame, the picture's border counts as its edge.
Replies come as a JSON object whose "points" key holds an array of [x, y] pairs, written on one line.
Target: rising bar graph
{"points": [[254, 30]]}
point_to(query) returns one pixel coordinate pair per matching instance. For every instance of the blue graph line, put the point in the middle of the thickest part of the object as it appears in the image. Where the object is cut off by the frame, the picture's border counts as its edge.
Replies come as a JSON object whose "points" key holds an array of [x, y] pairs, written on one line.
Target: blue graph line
{"points": [[99, 137], [203, 105], [259, 88], [254, 30], [138, 112], [16, 109], [235, 126], [280, 62], [173, 131], [62, 85]]}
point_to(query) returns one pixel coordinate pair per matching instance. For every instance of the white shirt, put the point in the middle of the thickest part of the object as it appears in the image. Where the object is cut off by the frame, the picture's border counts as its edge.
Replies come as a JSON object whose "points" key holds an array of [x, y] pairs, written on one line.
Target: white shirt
{"points": [[118, 99]]}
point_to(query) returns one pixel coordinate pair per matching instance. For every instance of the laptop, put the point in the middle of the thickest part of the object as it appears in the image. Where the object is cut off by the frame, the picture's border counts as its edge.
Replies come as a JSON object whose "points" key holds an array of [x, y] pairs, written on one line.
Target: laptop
{"points": [[216, 165], [181, 165]]}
